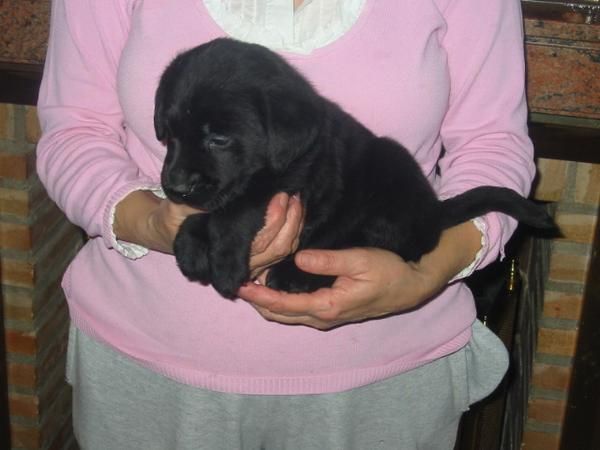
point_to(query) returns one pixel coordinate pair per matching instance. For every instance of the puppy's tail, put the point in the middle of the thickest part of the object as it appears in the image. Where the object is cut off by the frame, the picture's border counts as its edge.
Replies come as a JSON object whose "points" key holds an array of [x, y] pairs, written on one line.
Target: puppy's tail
{"points": [[484, 199]]}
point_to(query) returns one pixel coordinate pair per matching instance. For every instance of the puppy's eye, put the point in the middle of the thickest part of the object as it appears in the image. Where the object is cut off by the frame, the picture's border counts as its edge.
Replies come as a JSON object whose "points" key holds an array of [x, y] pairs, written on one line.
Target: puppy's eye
{"points": [[218, 142]]}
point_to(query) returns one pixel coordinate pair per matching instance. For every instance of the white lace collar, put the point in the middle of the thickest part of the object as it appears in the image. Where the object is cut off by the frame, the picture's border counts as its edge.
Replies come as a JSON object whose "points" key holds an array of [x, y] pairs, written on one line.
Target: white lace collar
{"points": [[275, 23]]}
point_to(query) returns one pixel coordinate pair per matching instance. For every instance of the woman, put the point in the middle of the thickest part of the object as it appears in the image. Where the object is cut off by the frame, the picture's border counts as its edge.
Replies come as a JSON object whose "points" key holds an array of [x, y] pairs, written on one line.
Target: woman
{"points": [[391, 355]]}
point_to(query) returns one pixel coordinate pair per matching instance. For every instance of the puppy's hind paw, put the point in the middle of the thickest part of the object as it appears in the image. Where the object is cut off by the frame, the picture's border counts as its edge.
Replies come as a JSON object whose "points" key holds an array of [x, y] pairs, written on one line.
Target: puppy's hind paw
{"points": [[286, 276]]}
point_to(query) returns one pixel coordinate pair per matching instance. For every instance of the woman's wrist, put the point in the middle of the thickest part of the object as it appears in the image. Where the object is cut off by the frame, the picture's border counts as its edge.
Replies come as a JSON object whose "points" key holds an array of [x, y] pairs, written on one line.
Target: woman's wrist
{"points": [[135, 220], [457, 249]]}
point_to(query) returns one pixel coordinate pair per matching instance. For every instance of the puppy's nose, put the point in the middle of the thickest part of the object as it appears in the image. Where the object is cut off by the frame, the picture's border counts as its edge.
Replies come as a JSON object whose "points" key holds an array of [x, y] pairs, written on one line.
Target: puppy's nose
{"points": [[181, 188], [181, 181]]}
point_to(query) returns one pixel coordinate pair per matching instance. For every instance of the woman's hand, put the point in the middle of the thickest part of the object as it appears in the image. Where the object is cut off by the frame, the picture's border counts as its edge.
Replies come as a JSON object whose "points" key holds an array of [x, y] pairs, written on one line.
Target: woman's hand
{"points": [[280, 235], [163, 224], [371, 282], [144, 219]]}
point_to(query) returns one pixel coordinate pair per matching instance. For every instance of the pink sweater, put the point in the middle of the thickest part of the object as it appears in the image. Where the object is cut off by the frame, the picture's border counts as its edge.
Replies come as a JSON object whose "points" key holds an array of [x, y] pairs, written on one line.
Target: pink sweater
{"points": [[427, 73]]}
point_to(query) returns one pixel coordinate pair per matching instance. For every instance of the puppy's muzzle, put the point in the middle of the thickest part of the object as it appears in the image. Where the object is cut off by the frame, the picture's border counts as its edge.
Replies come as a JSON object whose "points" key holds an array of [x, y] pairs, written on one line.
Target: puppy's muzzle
{"points": [[181, 185]]}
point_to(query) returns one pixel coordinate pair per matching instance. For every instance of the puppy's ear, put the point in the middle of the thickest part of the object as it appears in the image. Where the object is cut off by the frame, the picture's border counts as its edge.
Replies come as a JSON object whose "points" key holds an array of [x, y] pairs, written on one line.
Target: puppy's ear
{"points": [[160, 126], [169, 88], [293, 121]]}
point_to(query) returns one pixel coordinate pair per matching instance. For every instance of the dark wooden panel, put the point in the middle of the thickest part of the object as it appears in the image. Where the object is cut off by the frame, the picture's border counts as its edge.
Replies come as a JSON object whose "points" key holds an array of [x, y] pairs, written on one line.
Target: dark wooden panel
{"points": [[574, 11], [566, 143], [581, 429], [19, 84]]}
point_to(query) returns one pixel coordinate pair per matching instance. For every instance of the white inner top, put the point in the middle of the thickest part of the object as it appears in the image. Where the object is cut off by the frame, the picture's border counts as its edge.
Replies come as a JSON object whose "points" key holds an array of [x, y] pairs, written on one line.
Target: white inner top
{"points": [[280, 25]]}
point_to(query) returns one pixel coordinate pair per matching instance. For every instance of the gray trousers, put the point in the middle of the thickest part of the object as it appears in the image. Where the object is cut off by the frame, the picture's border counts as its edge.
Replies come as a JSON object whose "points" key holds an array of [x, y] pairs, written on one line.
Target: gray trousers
{"points": [[119, 405]]}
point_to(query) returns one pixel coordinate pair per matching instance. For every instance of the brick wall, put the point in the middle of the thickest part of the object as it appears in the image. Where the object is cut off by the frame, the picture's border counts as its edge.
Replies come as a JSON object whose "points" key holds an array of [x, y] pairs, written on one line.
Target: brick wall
{"points": [[36, 244], [576, 189]]}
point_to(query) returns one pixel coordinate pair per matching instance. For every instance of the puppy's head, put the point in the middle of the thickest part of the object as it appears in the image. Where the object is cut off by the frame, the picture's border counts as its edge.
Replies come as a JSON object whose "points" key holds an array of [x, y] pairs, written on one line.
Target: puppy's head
{"points": [[231, 113]]}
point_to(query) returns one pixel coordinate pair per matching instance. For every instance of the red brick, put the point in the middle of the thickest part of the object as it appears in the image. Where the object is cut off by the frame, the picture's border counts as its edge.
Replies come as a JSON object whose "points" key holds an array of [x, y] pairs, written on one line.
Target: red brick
{"points": [[562, 305], [32, 125], [23, 405], [577, 227], [23, 375], [15, 236], [557, 342], [20, 236], [568, 267], [546, 411], [21, 342], [25, 437], [536, 440], [7, 129], [17, 312], [26, 272], [21, 297], [16, 165], [587, 183], [17, 272], [15, 202], [552, 183], [547, 376]]}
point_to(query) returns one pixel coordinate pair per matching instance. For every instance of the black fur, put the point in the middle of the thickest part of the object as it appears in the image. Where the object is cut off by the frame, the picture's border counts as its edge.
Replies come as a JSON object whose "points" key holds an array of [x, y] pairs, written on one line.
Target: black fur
{"points": [[241, 124]]}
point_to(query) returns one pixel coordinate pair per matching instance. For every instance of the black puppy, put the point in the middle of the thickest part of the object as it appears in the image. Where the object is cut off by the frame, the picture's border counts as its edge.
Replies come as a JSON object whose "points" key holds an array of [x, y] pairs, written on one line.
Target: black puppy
{"points": [[241, 124]]}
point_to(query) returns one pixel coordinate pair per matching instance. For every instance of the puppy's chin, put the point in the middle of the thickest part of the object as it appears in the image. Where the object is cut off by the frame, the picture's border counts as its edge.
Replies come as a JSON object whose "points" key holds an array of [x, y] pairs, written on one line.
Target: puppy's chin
{"points": [[207, 201], [193, 199]]}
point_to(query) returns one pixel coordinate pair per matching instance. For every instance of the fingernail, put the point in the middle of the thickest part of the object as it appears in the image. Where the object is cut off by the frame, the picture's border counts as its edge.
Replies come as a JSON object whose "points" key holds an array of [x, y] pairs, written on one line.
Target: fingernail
{"points": [[306, 259]]}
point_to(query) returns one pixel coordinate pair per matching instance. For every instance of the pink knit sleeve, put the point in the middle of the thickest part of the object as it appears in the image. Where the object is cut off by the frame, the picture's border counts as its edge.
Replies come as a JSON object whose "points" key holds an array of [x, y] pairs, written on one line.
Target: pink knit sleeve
{"points": [[81, 157], [484, 132]]}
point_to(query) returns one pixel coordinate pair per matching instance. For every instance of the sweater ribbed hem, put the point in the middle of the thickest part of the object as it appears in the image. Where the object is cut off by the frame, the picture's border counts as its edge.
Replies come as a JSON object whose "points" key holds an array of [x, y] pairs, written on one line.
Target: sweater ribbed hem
{"points": [[283, 385]]}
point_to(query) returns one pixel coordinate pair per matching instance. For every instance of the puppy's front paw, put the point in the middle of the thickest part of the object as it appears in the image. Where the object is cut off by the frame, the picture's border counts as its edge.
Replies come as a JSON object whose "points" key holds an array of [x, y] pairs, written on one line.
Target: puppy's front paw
{"points": [[286, 276], [191, 252], [229, 270], [227, 286]]}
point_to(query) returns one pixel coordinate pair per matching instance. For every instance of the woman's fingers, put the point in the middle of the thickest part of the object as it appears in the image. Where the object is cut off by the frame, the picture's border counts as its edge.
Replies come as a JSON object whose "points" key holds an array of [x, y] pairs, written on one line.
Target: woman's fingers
{"points": [[280, 235], [348, 262], [286, 240], [370, 283], [274, 221]]}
